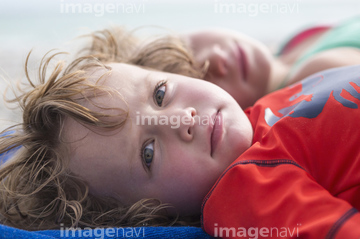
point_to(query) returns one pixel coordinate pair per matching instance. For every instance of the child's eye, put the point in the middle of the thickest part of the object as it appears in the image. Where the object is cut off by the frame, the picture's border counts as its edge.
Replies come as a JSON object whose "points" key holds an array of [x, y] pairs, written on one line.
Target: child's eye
{"points": [[159, 92], [147, 154]]}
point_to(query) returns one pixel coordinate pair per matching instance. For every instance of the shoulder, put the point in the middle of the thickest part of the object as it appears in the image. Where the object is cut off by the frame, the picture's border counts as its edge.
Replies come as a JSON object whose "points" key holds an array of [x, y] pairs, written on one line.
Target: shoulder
{"points": [[336, 57], [296, 46]]}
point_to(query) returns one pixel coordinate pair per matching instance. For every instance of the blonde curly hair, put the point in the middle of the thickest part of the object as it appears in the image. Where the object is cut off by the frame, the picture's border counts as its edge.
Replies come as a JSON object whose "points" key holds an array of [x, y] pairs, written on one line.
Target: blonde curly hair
{"points": [[37, 190]]}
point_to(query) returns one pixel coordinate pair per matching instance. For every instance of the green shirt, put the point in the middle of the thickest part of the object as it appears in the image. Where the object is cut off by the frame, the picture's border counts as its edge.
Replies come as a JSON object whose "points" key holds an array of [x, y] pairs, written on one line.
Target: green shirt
{"points": [[346, 34]]}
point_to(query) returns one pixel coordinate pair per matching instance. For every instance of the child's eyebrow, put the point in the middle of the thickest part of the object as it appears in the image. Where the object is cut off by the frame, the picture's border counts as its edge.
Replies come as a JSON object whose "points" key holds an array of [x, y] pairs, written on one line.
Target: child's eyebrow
{"points": [[132, 156], [134, 146], [147, 85]]}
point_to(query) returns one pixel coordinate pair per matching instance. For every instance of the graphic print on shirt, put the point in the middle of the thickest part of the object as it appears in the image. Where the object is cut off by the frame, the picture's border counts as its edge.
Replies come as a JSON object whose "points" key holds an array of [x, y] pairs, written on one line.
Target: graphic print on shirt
{"points": [[320, 87]]}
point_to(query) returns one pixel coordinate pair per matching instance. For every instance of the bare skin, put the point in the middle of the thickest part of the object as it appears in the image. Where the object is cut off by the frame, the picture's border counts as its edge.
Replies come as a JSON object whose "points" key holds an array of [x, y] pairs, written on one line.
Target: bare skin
{"points": [[255, 72]]}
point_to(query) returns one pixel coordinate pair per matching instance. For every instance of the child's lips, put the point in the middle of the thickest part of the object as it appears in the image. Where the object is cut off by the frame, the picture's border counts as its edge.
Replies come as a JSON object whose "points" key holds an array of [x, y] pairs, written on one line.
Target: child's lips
{"points": [[216, 131], [241, 57]]}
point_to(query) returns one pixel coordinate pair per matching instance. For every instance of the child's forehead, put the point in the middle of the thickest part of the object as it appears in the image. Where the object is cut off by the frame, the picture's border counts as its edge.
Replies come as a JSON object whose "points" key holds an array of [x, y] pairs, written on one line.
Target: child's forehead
{"points": [[123, 75], [126, 83]]}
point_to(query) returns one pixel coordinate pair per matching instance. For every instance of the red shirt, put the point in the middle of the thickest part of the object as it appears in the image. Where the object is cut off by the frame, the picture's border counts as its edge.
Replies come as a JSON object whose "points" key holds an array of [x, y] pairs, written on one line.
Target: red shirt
{"points": [[301, 176]]}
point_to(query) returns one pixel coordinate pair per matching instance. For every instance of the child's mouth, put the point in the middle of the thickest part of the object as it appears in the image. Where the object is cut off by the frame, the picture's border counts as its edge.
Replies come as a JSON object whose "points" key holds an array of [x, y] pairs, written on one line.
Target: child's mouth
{"points": [[242, 62], [217, 131]]}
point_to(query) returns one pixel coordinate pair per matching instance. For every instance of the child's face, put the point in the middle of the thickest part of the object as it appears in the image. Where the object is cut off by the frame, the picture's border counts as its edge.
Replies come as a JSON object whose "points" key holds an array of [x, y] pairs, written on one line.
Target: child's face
{"points": [[239, 64], [174, 161]]}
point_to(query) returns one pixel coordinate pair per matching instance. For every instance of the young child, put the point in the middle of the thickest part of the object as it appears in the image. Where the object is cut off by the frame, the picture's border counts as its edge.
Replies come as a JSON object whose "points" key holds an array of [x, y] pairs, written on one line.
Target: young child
{"points": [[300, 176], [87, 158], [248, 70], [38, 190]]}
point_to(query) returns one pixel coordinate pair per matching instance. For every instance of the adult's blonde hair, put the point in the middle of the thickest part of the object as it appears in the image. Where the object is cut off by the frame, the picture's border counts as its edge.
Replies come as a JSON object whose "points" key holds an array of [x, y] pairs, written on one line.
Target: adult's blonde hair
{"points": [[37, 190]]}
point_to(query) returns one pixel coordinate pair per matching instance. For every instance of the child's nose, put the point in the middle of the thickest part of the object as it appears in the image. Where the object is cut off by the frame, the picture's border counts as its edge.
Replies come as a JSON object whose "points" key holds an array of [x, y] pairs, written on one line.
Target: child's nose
{"points": [[187, 132], [217, 62], [182, 123]]}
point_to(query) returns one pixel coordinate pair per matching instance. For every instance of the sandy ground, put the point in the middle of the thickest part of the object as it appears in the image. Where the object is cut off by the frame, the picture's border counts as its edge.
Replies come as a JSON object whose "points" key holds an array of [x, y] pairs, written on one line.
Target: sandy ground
{"points": [[12, 70]]}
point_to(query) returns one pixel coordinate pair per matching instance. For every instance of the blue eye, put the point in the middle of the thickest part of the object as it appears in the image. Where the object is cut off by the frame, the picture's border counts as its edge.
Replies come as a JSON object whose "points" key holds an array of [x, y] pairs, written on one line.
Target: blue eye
{"points": [[148, 154], [159, 92]]}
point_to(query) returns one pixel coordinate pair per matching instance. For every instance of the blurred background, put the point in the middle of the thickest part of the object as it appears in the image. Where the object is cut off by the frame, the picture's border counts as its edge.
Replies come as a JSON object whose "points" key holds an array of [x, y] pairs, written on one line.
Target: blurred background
{"points": [[42, 25]]}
